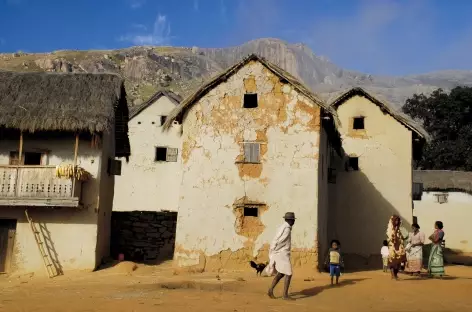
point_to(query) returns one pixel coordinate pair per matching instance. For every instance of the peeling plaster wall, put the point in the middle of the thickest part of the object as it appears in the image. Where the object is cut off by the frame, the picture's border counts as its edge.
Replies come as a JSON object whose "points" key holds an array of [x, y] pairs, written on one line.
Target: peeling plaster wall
{"points": [[73, 232], [210, 232], [455, 214], [362, 201], [144, 184]]}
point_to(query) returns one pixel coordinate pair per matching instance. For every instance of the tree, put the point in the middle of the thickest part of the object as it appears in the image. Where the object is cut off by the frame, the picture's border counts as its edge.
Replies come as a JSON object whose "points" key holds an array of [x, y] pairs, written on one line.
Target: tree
{"points": [[448, 120]]}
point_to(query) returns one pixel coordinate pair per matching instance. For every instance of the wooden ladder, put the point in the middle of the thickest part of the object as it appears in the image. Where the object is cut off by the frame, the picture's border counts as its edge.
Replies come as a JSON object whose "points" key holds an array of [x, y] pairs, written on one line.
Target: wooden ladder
{"points": [[48, 265]]}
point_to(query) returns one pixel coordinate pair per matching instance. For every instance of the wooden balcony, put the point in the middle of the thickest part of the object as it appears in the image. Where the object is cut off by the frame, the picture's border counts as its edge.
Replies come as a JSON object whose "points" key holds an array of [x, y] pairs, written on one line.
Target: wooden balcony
{"points": [[37, 186]]}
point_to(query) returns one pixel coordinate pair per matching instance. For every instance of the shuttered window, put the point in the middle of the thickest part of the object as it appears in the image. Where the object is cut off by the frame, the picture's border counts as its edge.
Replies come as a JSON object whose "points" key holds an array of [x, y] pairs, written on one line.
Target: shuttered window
{"points": [[251, 153], [172, 154], [166, 154]]}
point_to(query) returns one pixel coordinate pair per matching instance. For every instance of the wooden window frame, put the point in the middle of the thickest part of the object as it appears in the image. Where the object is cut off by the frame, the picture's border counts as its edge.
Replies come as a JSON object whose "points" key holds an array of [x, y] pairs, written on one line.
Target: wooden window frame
{"points": [[247, 151]]}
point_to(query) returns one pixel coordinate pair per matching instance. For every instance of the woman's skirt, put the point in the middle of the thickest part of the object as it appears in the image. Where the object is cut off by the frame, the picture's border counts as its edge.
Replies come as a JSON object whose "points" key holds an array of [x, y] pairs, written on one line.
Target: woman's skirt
{"points": [[436, 261], [414, 260]]}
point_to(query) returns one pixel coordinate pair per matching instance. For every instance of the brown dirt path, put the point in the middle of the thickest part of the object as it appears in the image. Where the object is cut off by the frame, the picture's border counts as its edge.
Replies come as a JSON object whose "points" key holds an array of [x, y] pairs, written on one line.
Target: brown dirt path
{"points": [[157, 289]]}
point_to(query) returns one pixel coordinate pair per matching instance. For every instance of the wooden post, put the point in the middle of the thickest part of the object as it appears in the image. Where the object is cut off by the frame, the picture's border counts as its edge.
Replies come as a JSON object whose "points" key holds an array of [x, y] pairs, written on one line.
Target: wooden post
{"points": [[76, 150], [20, 153]]}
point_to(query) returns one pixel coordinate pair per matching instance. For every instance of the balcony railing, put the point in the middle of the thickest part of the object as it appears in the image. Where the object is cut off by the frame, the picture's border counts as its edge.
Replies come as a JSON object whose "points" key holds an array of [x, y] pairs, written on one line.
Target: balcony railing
{"points": [[37, 186]]}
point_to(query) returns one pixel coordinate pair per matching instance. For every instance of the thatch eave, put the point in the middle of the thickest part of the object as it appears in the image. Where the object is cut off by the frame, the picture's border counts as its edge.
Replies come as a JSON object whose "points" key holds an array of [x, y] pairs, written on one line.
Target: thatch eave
{"points": [[444, 180]]}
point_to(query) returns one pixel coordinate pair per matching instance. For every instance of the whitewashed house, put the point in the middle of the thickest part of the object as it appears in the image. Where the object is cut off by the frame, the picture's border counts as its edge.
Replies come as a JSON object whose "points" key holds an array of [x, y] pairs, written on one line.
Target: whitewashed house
{"points": [[59, 136], [373, 180], [150, 180], [255, 144], [147, 191], [446, 196]]}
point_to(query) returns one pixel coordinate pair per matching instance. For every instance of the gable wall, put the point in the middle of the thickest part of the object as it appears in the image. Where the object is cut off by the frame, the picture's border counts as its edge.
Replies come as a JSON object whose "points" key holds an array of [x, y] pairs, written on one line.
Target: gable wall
{"points": [[144, 184], [363, 201], [211, 231]]}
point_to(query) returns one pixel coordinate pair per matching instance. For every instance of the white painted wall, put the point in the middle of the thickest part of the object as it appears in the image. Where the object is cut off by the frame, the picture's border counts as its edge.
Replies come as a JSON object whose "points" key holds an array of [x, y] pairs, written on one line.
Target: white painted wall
{"points": [[362, 202], [73, 232], [456, 215], [287, 124], [144, 184]]}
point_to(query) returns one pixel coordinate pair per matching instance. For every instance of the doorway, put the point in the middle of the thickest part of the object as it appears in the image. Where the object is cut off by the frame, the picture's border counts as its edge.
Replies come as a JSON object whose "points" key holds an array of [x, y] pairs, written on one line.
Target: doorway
{"points": [[7, 240]]}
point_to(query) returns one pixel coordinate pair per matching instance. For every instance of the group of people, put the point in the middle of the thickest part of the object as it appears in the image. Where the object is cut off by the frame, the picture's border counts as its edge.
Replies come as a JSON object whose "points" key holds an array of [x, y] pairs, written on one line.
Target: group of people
{"points": [[400, 250], [405, 250]]}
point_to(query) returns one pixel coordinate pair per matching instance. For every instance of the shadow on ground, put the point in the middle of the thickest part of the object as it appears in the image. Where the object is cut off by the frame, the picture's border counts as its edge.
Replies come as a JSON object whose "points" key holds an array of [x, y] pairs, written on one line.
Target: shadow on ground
{"points": [[311, 292]]}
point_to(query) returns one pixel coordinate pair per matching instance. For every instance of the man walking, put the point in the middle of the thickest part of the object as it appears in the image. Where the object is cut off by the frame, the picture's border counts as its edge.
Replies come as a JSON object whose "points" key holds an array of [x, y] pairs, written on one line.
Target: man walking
{"points": [[279, 256]]}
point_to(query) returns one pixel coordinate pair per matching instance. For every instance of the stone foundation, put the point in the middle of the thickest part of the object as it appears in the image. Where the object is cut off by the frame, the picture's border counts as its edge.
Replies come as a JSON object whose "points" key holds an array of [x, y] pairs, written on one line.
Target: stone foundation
{"points": [[143, 236]]}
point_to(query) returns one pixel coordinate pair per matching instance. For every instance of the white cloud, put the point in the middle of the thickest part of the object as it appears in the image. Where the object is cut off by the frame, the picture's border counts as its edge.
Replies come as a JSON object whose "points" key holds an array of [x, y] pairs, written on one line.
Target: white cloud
{"points": [[160, 33], [136, 4], [196, 6]]}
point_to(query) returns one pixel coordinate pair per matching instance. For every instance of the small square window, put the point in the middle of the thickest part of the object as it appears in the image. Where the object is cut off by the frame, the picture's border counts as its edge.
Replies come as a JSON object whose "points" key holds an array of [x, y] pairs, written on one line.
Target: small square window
{"points": [[163, 120], [251, 212], [252, 153], [250, 100], [166, 154], [354, 163], [358, 123], [161, 153], [441, 198]]}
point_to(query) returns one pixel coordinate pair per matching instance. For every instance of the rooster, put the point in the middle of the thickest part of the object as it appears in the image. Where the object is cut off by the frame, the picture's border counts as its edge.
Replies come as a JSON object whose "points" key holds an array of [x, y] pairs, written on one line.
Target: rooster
{"points": [[259, 267]]}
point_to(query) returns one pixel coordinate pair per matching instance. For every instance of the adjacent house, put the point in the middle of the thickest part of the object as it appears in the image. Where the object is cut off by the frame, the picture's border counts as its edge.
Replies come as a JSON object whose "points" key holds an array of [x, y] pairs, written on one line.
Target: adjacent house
{"points": [[373, 180], [255, 144], [446, 196], [147, 191], [59, 136]]}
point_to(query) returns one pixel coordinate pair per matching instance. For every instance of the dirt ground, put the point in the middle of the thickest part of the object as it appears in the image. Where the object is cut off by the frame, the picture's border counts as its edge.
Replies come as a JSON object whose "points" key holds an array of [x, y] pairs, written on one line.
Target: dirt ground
{"points": [[121, 288]]}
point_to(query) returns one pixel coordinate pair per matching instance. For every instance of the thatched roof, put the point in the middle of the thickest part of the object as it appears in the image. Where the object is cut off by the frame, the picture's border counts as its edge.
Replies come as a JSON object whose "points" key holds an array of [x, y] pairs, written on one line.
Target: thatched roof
{"points": [[385, 107], [57, 101], [78, 102], [174, 98], [187, 103], [444, 180]]}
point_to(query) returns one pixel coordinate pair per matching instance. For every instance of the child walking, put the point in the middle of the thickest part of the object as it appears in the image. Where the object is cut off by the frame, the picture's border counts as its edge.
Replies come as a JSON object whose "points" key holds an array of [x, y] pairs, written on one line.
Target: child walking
{"points": [[335, 261], [384, 252]]}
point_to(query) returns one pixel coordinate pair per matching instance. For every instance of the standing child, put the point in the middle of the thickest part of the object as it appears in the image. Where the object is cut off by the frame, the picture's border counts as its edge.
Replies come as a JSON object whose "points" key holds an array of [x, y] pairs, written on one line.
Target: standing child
{"points": [[335, 261], [384, 253]]}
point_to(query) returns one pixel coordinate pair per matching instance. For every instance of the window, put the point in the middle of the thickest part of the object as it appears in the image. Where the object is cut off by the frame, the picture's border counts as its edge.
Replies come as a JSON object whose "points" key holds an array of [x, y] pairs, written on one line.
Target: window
{"points": [[163, 120], [251, 212], [441, 198], [250, 100], [358, 123], [166, 154], [353, 163], [251, 153], [29, 158]]}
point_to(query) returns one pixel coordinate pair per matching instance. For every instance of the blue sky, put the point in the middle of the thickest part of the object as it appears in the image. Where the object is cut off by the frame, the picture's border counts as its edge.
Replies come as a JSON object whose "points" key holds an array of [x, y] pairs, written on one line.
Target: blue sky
{"points": [[392, 37]]}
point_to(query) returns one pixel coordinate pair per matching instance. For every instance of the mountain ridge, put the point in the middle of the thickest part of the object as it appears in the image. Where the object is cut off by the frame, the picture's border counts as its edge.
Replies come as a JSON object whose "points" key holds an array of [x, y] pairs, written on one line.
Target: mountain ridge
{"points": [[147, 69]]}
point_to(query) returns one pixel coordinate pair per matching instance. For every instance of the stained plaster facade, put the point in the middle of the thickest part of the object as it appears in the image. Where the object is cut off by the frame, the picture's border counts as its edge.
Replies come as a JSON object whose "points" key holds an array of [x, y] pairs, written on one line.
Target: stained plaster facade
{"points": [[212, 232], [361, 202], [80, 237], [146, 184]]}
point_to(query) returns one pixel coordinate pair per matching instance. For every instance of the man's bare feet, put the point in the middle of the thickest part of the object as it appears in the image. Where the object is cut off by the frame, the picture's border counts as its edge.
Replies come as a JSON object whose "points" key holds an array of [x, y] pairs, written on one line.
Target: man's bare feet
{"points": [[270, 293]]}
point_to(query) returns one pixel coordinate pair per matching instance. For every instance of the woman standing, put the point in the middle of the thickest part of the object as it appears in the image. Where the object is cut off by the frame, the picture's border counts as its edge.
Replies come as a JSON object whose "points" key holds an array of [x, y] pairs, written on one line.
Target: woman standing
{"points": [[414, 251], [395, 246], [436, 259]]}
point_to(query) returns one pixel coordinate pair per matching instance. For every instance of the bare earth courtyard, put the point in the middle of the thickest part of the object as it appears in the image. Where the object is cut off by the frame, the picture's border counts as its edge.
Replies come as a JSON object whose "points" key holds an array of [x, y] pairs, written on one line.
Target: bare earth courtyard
{"points": [[157, 289]]}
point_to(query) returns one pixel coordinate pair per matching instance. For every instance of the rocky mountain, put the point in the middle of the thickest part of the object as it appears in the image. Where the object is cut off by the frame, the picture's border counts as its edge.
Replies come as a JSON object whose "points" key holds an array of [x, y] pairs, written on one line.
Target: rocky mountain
{"points": [[147, 69]]}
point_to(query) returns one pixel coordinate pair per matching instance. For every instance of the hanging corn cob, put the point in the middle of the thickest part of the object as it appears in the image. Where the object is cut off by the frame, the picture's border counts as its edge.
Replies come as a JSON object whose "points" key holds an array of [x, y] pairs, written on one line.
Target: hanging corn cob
{"points": [[66, 171]]}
